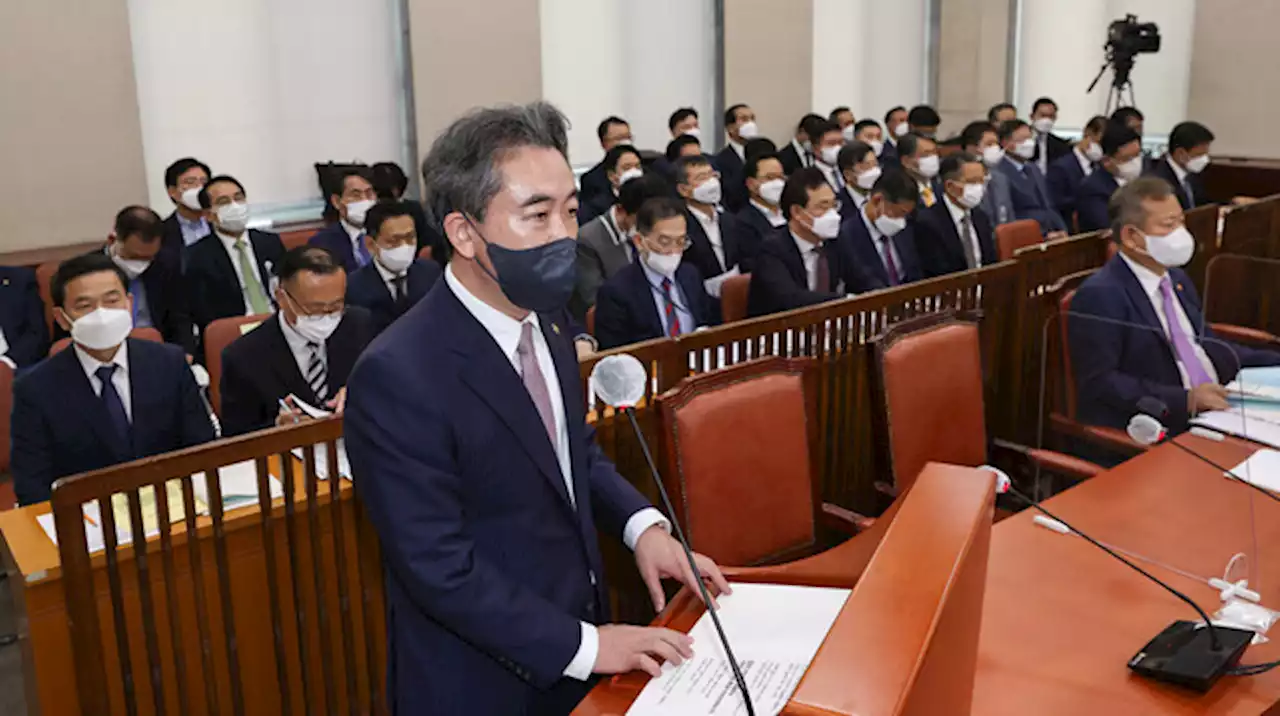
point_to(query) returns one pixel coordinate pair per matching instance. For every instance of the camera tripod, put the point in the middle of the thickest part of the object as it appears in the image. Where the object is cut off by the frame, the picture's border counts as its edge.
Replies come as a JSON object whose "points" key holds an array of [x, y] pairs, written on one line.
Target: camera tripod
{"points": [[1121, 84]]}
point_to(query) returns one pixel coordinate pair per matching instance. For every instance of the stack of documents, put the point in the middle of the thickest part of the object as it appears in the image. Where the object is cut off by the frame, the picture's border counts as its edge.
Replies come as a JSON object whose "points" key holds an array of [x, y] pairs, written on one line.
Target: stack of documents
{"points": [[322, 459], [1262, 469]]}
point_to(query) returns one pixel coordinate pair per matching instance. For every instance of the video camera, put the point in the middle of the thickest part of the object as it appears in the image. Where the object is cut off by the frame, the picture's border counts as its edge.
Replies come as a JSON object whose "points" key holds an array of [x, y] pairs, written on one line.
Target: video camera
{"points": [[1128, 37]]}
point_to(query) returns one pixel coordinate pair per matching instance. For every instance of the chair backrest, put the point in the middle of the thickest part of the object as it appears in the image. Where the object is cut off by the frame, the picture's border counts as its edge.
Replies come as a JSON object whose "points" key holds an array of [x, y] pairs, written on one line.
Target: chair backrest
{"points": [[733, 298], [1016, 235], [142, 334], [1065, 290], [44, 280], [931, 383], [425, 253], [742, 450], [217, 336], [296, 238], [6, 407]]}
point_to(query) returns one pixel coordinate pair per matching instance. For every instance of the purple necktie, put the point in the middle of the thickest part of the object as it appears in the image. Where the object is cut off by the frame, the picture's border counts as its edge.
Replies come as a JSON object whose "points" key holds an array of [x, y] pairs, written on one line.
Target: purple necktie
{"points": [[1182, 346], [534, 382], [890, 266]]}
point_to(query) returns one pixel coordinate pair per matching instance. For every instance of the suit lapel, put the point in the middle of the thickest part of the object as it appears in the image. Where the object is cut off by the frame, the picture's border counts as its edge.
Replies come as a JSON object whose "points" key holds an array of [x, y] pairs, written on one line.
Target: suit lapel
{"points": [[280, 359], [92, 410], [955, 242], [555, 332], [1139, 299], [643, 292], [871, 253]]}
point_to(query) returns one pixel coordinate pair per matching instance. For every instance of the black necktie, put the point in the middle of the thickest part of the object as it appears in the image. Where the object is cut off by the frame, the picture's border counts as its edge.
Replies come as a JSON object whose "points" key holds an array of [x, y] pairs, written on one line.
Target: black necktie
{"points": [[401, 292], [115, 407]]}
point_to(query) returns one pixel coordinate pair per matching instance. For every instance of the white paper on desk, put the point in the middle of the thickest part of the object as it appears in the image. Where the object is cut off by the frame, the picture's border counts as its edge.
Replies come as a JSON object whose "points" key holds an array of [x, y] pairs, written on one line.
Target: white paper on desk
{"points": [[322, 459], [239, 485], [713, 284], [1261, 468], [1241, 424], [774, 630], [93, 536], [311, 410]]}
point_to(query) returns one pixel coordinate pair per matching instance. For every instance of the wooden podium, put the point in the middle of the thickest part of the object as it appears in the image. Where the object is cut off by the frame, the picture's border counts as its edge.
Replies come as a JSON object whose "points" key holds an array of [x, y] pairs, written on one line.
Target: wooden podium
{"points": [[906, 641]]}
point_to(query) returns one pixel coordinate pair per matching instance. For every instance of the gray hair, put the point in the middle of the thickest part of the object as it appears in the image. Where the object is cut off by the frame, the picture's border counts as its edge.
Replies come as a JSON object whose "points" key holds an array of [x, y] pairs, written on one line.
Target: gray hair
{"points": [[461, 171], [1125, 206], [953, 166]]}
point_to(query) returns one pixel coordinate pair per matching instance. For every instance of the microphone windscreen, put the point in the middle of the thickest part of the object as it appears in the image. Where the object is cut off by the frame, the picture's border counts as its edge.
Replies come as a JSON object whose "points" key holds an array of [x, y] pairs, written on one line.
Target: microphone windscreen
{"points": [[619, 380], [1145, 430]]}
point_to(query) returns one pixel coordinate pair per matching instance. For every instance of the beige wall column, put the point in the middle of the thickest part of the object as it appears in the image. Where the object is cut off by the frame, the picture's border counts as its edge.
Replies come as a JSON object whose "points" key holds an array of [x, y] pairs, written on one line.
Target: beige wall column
{"points": [[973, 58], [768, 62], [1233, 71]]}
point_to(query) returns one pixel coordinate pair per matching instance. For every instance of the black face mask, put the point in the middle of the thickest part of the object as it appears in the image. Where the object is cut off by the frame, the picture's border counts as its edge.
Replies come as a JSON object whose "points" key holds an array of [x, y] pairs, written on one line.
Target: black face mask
{"points": [[540, 279]]}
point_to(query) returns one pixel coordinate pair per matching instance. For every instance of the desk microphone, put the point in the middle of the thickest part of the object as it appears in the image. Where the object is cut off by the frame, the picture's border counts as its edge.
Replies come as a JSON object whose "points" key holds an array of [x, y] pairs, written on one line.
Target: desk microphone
{"points": [[619, 381]]}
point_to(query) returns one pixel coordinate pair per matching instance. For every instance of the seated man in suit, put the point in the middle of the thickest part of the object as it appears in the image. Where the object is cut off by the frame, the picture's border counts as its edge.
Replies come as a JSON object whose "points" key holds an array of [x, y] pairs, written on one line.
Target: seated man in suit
{"points": [[843, 118], [1133, 118], [981, 140], [868, 132], [1121, 164], [684, 121], [106, 400], [187, 224], [859, 171], [762, 217], [718, 245], [659, 295], [923, 120], [798, 153], [801, 266], [156, 287], [1049, 146], [895, 127], [1159, 354], [345, 237], [878, 243], [396, 278], [1068, 172], [622, 164], [604, 244], [24, 339], [305, 351], [954, 235], [1188, 155], [1027, 186], [1000, 113], [918, 155], [826, 152], [611, 132], [231, 271], [390, 184], [740, 126], [685, 145]]}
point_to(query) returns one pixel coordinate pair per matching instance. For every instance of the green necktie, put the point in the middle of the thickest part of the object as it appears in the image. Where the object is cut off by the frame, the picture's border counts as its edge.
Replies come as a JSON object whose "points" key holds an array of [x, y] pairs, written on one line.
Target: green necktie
{"points": [[252, 286]]}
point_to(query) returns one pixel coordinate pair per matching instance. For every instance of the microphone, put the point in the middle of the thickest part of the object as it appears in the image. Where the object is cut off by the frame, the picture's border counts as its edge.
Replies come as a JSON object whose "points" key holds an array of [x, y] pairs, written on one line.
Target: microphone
{"points": [[202, 388], [618, 381], [1180, 654], [1145, 428]]}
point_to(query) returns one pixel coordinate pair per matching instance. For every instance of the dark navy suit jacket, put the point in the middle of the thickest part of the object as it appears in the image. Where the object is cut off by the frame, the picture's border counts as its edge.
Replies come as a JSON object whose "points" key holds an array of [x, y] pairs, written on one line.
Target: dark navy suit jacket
{"points": [[1030, 195], [1091, 201], [336, 239], [489, 565], [211, 277], [939, 244], [756, 229], [595, 181], [1064, 180], [868, 270], [780, 282], [889, 154], [366, 288], [1117, 364], [626, 312], [732, 178], [22, 316], [1197, 196], [738, 250], [61, 428]]}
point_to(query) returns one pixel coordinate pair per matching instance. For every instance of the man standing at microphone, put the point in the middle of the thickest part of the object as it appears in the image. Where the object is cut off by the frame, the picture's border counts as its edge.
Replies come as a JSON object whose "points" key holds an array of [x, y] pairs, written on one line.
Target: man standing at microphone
{"points": [[466, 430]]}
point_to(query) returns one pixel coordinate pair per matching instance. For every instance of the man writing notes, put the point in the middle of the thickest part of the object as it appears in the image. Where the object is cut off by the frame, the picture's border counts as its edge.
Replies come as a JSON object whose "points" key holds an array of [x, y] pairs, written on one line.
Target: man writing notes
{"points": [[474, 459]]}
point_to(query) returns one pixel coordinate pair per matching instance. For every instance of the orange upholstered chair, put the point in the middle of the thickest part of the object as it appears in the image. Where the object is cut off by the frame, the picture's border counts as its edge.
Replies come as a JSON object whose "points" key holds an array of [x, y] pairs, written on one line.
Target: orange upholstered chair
{"points": [[142, 334], [733, 298], [44, 281], [296, 238], [217, 336], [425, 253], [1015, 235], [742, 463]]}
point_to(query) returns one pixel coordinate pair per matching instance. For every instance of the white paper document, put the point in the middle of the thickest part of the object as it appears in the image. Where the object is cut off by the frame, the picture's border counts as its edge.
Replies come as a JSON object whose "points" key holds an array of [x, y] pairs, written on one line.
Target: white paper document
{"points": [[1251, 424], [713, 284], [774, 630], [1262, 469], [239, 484], [322, 459]]}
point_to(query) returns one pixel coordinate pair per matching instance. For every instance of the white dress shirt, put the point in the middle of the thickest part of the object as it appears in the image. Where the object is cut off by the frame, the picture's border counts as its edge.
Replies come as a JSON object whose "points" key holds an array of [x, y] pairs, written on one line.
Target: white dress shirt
{"points": [[4, 350], [388, 278], [678, 300], [958, 215], [1085, 165], [505, 332], [356, 235], [877, 240], [859, 199], [300, 347], [120, 378], [806, 159], [774, 216], [809, 254], [229, 244], [1150, 282], [1042, 145], [711, 227], [1181, 175], [739, 149], [832, 175]]}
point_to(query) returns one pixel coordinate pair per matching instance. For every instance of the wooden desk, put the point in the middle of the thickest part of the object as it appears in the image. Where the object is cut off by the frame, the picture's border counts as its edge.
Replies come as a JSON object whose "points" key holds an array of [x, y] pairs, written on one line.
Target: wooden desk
{"points": [[1061, 619]]}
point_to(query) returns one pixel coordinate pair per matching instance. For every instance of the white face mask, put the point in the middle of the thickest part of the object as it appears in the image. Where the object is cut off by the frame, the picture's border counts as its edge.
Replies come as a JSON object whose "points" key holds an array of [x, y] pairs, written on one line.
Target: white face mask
{"points": [[867, 179], [1093, 152], [890, 226], [992, 156], [662, 264], [1043, 125], [191, 198], [928, 166], [358, 210], [628, 175], [1130, 170], [847, 133], [901, 130], [972, 196], [708, 192], [1195, 165], [748, 130], [829, 155], [827, 226], [133, 268], [233, 217], [1026, 148], [1172, 249], [771, 191], [694, 132], [317, 329], [876, 145], [397, 259], [102, 328]]}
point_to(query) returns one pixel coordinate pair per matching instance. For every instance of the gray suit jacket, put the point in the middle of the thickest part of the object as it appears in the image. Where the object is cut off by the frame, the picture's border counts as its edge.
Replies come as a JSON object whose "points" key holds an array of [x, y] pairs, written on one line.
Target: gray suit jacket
{"points": [[997, 202], [600, 256]]}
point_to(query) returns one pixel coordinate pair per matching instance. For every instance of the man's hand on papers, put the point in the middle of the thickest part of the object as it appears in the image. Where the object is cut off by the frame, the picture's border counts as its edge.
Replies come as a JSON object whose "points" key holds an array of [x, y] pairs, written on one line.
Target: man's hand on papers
{"points": [[659, 556], [626, 648]]}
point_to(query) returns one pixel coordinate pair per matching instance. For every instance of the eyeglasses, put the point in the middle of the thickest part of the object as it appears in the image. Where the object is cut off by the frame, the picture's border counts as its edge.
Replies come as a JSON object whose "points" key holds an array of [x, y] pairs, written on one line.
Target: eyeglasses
{"points": [[336, 307], [668, 243]]}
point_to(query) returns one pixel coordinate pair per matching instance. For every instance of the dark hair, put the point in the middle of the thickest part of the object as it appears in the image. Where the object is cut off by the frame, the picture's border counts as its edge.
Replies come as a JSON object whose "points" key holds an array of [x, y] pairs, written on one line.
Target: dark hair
{"points": [[852, 153], [679, 116], [817, 129], [889, 114], [602, 130], [315, 259], [909, 144], [461, 172], [1124, 114], [896, 187], [633, 194], [923, 115], [1008, 127], [752, 168], [1117, 135], [997, 109], [805, 120], [1189, 135], [759, 145], [675, 145], [383, 210], [1125, 206], [799, 184], [972, 134], [954, 164], [862, 124], [83, 265], [656, 209], [203, 196], [182, 166], [614, 155], [838, 111], [731, 114], [340, 180], [388, 179], [1042, 101], [1096, 124], [684, 164], [140, 220]]}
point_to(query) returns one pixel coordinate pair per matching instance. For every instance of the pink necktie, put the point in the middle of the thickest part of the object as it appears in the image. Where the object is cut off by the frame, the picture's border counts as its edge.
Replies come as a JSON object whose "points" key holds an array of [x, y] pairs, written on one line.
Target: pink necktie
{"points": [[1182, 346], [534, 382]]}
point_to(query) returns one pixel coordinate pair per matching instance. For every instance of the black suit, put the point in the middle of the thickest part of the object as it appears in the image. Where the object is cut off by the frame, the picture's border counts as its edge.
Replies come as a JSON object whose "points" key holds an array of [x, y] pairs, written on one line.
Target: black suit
{"points": [[792, 158], [627, 313], [211, 277], [595, 206], [258, 370], [738, 250], [365, 288], [1196, 195], [938, 241], [732, 178], [172, 245], [780, 282], [594, 183], [60, 427], [22, 316], [869, 272], [1057, 146], [756, 228]]}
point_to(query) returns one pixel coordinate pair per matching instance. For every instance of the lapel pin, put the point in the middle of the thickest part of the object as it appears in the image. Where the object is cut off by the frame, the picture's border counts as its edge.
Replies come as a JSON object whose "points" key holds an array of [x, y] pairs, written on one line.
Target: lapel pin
{"points": [[555, 329], [1179, 287], [6, 281]]}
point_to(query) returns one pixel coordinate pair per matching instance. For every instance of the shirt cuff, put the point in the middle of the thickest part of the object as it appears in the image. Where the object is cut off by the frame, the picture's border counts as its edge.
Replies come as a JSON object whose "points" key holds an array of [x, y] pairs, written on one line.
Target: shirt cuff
{"points": [[585, 660], [641, 521], [9, 362]]}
